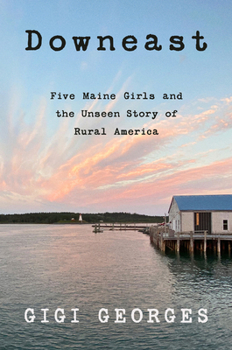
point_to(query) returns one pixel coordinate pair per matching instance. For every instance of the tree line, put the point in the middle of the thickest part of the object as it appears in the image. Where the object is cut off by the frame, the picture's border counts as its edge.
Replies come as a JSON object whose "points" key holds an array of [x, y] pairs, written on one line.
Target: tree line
{"points": [[70, 217]]}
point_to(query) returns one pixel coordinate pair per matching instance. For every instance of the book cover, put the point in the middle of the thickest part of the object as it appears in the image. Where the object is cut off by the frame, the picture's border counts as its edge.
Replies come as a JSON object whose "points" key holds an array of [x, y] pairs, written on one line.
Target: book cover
{"points": [[109, 106]]}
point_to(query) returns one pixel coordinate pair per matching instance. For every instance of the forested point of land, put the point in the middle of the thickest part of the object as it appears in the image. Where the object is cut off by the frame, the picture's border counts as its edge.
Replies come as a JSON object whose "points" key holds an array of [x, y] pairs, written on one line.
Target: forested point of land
{"points": [[69, 217]]}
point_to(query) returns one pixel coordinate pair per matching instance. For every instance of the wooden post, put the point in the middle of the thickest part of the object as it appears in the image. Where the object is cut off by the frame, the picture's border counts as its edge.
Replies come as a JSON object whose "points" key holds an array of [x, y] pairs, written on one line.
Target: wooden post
{"points": [[191, 246], [219, 247], [113, 227], [165, 223], [205, 242], [178, 242], [162, 243], [229, 248]]}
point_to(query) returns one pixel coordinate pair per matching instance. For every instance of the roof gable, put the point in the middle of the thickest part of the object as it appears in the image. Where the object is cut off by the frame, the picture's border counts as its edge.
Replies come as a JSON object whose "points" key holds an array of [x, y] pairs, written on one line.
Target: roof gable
{"points": [[204, 202]]}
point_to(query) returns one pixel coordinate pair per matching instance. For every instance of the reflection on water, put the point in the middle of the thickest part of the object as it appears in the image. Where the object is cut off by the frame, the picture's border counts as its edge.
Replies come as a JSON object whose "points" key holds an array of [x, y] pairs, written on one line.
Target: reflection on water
{"points": [[68, 266]]}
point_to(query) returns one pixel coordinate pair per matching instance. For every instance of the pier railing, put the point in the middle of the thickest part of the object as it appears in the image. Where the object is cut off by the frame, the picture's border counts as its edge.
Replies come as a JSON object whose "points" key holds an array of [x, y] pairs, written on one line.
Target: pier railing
{"points": [[169, 233], [194, 234]]}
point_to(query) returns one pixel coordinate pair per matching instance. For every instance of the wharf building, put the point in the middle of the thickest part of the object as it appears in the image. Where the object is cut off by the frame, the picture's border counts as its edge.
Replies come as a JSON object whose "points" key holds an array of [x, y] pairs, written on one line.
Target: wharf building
{"points": [[211, 213], [197, 222]]}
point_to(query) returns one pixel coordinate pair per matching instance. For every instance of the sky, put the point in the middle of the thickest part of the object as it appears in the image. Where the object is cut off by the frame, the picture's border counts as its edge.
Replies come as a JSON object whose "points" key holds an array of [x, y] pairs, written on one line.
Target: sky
{"points": [[44, 167]]}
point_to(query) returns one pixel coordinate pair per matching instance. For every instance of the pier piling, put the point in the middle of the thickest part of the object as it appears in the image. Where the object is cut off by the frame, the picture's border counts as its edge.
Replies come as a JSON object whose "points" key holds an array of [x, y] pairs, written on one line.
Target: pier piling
{"points": [[205, 241], [178, 243], [191, 245], [219, 246], [192, 241], [162, 243]]}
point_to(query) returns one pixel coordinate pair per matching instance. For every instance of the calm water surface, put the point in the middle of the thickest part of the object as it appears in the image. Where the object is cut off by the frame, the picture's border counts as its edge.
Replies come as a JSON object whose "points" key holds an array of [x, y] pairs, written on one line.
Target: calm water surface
{"points": [[66, 266]]}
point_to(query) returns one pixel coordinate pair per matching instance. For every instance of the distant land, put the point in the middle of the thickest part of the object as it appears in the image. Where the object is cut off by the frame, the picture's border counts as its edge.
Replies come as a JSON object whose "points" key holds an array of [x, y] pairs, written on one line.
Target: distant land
{"points": [[73, 218]]}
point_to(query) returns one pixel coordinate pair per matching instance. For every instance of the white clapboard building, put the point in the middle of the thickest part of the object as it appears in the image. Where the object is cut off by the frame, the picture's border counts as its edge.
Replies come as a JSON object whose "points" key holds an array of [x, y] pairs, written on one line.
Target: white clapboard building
{"points": [[212, 213]]}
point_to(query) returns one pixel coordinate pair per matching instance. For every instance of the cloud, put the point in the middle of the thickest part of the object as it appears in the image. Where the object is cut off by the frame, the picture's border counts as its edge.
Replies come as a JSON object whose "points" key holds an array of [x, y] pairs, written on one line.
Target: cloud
{"points": [[41, 168], [227, 99]]}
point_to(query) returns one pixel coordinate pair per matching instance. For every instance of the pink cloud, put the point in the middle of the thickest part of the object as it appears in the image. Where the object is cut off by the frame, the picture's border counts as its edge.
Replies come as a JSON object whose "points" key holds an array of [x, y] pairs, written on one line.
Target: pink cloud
{"points": [[92, 171]]}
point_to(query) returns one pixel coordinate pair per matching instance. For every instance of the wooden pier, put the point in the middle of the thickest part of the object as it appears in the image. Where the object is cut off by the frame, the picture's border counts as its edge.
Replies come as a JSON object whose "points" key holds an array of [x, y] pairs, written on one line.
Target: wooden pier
{"points": [[191, 241], [100, 227]]}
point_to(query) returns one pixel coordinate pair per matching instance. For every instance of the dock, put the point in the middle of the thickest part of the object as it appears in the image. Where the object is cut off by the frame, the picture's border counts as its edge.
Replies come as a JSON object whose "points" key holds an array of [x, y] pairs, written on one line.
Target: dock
{"points": [[190, 241], [100, 227]]}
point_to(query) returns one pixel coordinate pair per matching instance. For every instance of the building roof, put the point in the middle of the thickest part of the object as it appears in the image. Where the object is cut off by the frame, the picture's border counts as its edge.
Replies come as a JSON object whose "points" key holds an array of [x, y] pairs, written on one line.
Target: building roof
{"points": [[206, 202]]}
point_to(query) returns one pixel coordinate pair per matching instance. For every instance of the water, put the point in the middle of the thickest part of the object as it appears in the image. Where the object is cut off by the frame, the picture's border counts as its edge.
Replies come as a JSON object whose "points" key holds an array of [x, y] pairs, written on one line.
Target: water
{"points": [[68, 266]]}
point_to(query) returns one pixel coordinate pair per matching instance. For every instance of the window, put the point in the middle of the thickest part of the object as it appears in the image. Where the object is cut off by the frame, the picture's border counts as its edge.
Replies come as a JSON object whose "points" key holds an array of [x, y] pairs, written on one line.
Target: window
{"points": [[197, 219], [225, 224]]}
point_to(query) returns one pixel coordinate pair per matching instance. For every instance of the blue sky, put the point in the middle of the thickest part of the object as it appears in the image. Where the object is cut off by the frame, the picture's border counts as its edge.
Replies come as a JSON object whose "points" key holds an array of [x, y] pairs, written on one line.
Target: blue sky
{"points": [[44, 167]]}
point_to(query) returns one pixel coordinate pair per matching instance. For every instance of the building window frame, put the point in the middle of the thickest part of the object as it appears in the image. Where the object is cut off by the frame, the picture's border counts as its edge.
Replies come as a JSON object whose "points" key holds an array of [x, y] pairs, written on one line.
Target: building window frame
{"points": [[225, 225]]}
